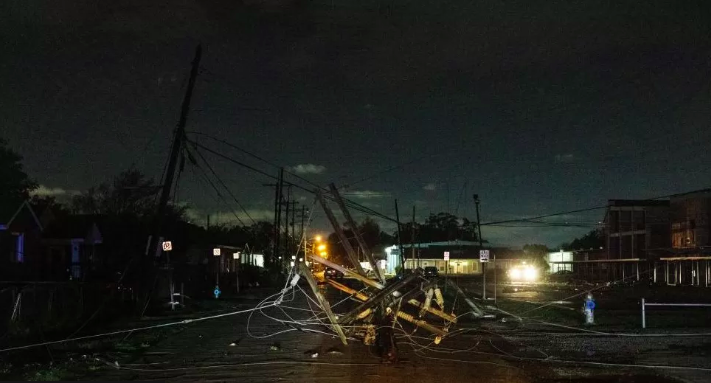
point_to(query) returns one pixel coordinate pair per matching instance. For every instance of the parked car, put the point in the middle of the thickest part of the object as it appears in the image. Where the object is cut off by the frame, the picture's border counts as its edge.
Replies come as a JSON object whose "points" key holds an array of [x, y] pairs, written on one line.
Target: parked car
{"points": [[332, 274], [431, 271]]}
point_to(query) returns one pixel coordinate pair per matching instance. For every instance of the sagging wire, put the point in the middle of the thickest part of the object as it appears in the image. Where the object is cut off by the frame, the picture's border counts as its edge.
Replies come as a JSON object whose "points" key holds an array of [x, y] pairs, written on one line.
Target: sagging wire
{"points": [[106, 334]]}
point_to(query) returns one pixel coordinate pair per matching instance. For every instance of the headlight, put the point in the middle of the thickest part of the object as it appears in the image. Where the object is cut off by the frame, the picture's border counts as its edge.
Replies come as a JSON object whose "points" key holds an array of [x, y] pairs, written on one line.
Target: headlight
{"points": [[515, 273], [530, 274]]}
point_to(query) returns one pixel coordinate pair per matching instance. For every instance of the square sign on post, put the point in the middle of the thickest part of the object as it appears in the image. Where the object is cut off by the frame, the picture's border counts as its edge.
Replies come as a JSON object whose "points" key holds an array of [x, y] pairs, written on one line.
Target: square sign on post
{"points": [[216, 252], [446, 255], [483, 255], [167, 246]]}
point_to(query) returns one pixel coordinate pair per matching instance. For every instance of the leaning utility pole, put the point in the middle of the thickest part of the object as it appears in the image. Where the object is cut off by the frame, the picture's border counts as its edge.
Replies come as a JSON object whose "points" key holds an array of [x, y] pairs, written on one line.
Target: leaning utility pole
{"points": [[339, 232], [154, 248], [361, 243], [399, 237], [287, 202], [178, 136]]}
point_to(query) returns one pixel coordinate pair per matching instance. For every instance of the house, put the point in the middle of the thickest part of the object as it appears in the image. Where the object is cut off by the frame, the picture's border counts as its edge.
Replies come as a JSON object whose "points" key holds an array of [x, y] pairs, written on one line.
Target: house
{"points": [[637, 232], [691, 219], [72, 248], [687, 262], [20, 246], [463, 257]]}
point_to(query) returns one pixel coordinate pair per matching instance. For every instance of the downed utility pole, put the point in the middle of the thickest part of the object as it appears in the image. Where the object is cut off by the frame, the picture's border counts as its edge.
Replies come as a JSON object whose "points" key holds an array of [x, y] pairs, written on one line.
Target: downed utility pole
{"points": [[356, 234], [304, 270], [382, 301], [341, 236]]}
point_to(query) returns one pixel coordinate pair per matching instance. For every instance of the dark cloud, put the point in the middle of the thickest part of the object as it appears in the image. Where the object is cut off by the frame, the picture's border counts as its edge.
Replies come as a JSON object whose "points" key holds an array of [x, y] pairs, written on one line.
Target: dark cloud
{"points": [[496, 94]]}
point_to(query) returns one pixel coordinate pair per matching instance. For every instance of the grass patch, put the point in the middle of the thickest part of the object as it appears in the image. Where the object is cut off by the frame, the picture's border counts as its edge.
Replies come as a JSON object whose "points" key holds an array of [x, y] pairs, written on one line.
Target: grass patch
{"points": [[51, 374]]}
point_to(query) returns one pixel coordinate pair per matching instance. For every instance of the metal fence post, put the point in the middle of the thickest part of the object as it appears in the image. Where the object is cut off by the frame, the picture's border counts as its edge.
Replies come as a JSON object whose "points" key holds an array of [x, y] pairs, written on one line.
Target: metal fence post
{"points": [[644, 319]]}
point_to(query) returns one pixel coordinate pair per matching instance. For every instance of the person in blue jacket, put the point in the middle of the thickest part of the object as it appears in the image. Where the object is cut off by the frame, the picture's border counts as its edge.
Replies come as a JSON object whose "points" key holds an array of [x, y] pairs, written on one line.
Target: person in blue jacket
{"points": [[589, 309]]}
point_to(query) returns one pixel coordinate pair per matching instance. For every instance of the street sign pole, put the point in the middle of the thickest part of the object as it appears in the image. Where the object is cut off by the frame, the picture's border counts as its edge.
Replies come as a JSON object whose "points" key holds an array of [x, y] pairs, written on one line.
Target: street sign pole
{"points": [[446, 271], [484, 259], [496, 271], [167, 247]]}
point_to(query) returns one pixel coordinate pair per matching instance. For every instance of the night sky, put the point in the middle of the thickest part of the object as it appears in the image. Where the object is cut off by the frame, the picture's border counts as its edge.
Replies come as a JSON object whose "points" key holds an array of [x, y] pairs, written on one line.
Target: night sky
{"points": [[537, 106]]}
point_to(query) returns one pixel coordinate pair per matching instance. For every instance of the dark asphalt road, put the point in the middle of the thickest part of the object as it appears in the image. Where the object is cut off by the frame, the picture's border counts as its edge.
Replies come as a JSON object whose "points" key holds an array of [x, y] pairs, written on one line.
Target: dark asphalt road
{"points": [[226, 350]]}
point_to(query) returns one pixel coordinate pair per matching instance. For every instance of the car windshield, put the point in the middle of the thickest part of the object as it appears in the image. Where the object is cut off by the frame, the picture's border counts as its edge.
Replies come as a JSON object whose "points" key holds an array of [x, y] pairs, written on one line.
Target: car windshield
{"points": [[355, 191]]}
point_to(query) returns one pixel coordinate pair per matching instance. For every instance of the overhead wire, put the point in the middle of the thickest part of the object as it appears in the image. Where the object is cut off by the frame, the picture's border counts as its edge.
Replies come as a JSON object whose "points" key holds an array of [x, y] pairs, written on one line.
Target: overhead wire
{"points": [[309, 182], [349, 203], [219, 194], [214, 173]]}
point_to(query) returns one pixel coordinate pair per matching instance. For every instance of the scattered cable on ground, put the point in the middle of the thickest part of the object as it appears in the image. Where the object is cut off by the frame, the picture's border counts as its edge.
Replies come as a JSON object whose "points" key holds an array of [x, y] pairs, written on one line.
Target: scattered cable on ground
{"points": [[106, 334]]}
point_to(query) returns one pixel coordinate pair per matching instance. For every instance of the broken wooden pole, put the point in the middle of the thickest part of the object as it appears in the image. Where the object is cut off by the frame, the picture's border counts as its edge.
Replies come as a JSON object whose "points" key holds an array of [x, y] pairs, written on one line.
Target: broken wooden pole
{"points": [[476, 311], [355, 293], [353, 274], [356, 234], [341, 235], [423, 324], [377, 298], [321, 300], [431, 310]]}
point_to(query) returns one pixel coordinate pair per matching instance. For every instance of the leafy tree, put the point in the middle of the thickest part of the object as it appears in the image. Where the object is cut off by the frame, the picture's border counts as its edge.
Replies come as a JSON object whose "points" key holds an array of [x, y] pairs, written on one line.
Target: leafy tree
{"points": [[41, 204], [538, 254], [595, 239], [130, 193], [15, 184], [440, 227], [375, 239]]}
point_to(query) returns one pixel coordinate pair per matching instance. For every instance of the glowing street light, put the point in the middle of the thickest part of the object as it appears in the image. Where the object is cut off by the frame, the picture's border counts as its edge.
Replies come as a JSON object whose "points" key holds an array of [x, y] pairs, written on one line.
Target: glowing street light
{"points": [[321, 247], [318, 238]]}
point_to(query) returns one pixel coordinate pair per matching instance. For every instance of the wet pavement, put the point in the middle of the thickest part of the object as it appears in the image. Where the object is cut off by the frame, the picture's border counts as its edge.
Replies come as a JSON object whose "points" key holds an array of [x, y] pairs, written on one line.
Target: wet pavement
{"points": [[268, 351]]}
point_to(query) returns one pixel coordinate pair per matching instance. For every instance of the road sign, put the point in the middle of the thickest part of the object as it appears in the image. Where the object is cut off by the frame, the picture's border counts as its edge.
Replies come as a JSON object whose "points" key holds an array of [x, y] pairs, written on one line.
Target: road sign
{"points": [[216, 252], [167, 246], [446, 255], [483, 255]]}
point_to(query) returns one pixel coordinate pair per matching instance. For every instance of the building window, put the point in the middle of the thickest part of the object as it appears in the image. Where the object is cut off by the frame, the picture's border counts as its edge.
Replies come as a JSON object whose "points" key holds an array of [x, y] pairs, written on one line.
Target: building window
{"points": [[20, 254]]}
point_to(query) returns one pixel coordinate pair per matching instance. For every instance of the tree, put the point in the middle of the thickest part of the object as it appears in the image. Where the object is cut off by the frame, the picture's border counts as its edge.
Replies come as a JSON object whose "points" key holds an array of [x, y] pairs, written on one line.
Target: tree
{"points": [[440, 227], [15, 184], [41, 204], [538, 255], [130, 193], [375, 239], [595, 239]]}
